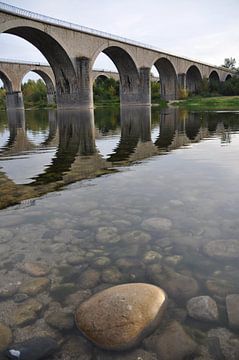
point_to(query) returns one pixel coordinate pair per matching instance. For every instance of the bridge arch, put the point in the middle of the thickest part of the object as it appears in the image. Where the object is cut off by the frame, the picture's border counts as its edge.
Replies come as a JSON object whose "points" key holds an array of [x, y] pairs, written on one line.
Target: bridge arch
{"points": [[214, 77], [168, 78], [7, 83], [127, 69], [193, 79], [100, 76], [228, 77], [45, 77], [49, 82], [67, 90], [214, 81]]}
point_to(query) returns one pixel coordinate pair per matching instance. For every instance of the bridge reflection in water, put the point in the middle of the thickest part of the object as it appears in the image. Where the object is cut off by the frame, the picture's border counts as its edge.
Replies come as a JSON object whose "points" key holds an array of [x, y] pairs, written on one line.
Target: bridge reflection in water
{"points": [[70, 149]]}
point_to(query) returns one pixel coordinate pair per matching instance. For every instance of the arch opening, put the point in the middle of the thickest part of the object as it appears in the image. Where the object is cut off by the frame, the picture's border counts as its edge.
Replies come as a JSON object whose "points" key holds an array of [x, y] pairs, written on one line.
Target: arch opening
{"points": [[214, 82], [167, 78], [38, 88], [193, 80], [228, 77], [128, 74], [67, 89], [106, 89]]}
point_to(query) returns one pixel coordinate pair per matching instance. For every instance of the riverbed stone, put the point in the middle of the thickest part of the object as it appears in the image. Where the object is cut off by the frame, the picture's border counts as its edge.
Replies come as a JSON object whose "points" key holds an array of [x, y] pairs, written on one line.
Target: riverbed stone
{"points": [[107, 235], [172, 344], [227, 249], [203, 308], [5, 336], [179, 286], [60, 319], [89, 279], [27, 312], [35, 286], [136, 237], [138, 354], [34, 349], [112, 275], [35, 268], [151, 256], [119, 317], [8, 291], [157, 224], [228, 342], [232, 306], [102, 261], [5, 235], [220, 287]]}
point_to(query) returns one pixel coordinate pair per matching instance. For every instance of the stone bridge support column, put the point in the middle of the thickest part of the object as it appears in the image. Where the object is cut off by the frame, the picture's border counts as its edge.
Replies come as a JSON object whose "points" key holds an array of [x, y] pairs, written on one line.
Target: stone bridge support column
{"points": [[50, 99], [182, 84], [85, 82], [145, 86], [14, 100]]}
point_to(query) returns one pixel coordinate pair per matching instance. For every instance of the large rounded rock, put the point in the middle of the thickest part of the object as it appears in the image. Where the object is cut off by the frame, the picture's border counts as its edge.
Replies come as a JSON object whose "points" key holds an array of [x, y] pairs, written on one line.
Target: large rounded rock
{"points": [[121, 316], [228, 249]]}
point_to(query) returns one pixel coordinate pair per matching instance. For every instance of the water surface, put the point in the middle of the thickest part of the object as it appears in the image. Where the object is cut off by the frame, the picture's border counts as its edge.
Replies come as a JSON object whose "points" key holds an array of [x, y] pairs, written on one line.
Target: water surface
{"points": [[118, 196]]}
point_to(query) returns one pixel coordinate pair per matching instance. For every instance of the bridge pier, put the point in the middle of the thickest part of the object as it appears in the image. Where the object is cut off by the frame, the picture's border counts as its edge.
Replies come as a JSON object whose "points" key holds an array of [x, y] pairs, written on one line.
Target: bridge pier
{"points": [[182, 85], [135, 90], [14, 100], [50, 99], [145, 86], [84, 76]]}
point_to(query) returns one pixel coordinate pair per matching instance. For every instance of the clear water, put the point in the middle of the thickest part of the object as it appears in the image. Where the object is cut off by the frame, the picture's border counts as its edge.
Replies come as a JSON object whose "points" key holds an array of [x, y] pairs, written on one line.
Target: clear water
{"points": [[66, 175]]}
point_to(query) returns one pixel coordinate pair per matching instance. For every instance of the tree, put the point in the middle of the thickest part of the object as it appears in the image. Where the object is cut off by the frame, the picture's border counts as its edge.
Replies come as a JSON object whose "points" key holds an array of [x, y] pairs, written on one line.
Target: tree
{"points": [[229, 63]]}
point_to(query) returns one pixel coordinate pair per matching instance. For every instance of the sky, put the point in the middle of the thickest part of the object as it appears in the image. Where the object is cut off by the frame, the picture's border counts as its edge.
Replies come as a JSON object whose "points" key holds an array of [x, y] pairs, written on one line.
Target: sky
{"points": [[206, 30]]}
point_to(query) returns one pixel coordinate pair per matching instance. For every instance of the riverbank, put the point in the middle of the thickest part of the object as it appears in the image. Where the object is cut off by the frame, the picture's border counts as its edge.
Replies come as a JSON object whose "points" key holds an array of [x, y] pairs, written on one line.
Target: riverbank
{"points": [[210, 103]]}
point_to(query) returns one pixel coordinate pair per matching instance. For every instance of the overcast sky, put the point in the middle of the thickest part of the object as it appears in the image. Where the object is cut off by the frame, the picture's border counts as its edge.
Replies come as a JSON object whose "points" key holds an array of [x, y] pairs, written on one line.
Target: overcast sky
{"points": [[207, 30]]}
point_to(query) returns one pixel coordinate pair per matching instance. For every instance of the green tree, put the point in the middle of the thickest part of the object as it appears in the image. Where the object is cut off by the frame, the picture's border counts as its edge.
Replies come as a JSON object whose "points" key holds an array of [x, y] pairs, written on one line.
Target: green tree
{"points": [[229, 63]]}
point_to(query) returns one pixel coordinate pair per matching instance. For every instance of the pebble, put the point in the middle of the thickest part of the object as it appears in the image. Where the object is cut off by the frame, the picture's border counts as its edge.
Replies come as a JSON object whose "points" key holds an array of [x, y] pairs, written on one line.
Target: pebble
{"points": [[157, 224], [35, 269], [173, 344], [33, 349], [203, 308], [232, 306], [35, 286], [5, 336]]}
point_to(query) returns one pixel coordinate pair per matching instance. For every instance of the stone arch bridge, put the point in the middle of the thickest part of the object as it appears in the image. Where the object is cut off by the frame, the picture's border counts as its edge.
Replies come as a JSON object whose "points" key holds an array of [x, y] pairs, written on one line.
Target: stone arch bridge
{"points": [[71, 51], [12, 73]]}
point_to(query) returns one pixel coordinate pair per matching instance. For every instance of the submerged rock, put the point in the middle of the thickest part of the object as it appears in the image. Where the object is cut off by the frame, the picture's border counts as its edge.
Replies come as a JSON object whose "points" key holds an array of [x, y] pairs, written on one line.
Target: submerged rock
{"points": [[173, 344], [157, 224], [60, 319], [136, 237], [232, 305], [179, 286], [5, 336], [107, 235], [34, 349], [119, 317], [26, 312], [35, 269], [35, 286], [228, 249], [203, 308], [228, 343]]}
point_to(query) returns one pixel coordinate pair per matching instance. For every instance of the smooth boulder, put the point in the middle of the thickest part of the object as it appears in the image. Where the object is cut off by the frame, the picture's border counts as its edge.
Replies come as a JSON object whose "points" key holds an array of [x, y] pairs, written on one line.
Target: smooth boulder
{"points": [[119, 317]]}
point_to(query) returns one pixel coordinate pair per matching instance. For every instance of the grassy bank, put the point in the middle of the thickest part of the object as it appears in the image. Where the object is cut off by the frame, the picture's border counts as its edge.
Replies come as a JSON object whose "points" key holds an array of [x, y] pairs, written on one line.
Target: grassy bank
{"points": [[210, 103]]}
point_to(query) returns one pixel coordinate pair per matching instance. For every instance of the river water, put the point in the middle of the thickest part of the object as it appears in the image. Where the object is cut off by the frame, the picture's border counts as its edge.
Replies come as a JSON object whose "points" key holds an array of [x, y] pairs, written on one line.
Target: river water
{"points": [[118, 196]]}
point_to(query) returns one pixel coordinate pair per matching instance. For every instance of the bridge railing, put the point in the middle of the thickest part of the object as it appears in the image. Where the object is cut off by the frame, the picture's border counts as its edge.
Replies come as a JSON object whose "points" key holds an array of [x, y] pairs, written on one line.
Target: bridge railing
{"points": [[50, 20], [16, 61]]}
